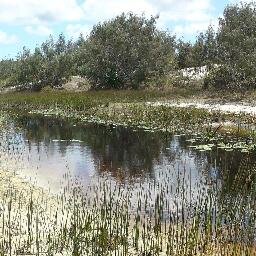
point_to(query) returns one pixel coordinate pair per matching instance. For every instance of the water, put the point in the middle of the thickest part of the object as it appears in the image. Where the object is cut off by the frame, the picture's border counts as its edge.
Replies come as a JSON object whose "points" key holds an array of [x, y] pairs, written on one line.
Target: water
{"points": [[44, 149], [162, 179]]}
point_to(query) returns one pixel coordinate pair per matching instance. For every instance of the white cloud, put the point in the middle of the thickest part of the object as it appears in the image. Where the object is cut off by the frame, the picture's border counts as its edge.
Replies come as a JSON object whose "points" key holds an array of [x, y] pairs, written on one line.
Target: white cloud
{"points": [[98, 10], [240, 1], [39, 30], [74, 30], [190, 29], [36, 16], [186, 10], [7, 39], [28, 12], [196, 12], [195, 28]]}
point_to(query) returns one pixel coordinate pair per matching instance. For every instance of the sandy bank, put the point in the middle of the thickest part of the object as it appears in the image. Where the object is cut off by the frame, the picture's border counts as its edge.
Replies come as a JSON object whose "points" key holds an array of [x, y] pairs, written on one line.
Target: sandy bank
{"points": [[238, 108]]}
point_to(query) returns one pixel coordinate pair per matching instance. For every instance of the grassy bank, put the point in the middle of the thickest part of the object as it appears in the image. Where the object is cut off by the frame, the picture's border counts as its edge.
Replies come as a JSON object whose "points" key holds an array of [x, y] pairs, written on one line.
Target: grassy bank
{"points": [[87, 100], [130, 108]]}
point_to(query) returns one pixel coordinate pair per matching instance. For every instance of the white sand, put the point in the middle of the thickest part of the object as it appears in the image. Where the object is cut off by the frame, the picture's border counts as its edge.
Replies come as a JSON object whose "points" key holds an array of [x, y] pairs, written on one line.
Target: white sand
{"points": [[224, 108]]}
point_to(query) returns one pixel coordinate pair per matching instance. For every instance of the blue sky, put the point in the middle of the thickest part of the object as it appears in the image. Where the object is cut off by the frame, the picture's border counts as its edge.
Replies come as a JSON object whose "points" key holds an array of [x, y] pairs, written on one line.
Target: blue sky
{"points": [[30, 22]]}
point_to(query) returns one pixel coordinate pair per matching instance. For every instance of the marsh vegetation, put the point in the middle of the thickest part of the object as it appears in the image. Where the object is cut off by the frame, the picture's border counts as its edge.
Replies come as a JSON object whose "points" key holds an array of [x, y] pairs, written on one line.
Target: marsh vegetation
{"points": [[76, 189], [127, 171]]}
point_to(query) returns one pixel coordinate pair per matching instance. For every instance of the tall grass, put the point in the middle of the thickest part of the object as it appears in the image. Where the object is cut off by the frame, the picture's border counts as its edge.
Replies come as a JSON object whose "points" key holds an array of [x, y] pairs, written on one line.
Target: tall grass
{"points": [[127, 108], [165, 216]]}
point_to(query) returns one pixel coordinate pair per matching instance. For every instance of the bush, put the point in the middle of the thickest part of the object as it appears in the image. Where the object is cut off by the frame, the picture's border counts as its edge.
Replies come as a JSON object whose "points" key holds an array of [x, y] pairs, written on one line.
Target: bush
{"points": [[219, 78], [226, 77], [126, 52], [236, 45]]}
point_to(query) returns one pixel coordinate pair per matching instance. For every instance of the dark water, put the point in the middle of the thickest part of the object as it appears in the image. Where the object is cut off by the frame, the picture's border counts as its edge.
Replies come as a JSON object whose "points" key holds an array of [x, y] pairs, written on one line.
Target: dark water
{"points": [[47, 148]]}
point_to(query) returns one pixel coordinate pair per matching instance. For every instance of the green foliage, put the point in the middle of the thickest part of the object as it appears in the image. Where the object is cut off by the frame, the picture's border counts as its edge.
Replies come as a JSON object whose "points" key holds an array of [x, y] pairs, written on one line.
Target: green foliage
{"points": [[184, 55], [205, 49], [130, 52], [7, 68], [49, 64], [202, 53], [236, 45], [127, 51], [220, 78]]}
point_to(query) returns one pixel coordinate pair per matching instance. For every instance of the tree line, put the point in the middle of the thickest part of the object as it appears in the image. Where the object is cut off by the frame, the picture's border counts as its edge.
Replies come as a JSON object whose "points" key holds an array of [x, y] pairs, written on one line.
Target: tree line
{"points": [[129, 51]]}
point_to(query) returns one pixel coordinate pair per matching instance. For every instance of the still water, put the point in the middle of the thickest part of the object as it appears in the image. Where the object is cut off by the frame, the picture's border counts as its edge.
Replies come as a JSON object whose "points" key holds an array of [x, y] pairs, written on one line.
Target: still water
{"points": [[132, 179], [44, 149]]}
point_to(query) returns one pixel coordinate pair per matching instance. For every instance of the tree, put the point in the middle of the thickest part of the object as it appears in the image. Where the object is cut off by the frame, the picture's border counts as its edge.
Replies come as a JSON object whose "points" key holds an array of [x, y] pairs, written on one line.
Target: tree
{"points": [[205, 49], [50, 64], [237, 46], [184, 55], [7, 69], [126, 51], [210, 47], [60, 46], [57, 64]]}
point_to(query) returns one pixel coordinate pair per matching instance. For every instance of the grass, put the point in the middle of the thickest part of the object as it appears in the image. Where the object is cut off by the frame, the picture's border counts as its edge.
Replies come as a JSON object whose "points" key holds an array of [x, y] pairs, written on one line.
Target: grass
{"points": [[76, 101], [167, 216], [127, 108], [164, 217], [83, 101]]}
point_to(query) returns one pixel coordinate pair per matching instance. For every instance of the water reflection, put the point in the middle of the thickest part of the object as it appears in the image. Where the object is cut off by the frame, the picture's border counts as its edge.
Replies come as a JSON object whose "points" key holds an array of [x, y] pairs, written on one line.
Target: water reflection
{"points": [[212, 189], [125, 153], [50, 147]]}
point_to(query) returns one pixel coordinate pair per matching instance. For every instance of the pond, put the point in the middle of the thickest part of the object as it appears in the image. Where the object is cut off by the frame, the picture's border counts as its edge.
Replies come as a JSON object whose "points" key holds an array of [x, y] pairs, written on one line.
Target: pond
{"points": [[48, 148], [44, 150]]}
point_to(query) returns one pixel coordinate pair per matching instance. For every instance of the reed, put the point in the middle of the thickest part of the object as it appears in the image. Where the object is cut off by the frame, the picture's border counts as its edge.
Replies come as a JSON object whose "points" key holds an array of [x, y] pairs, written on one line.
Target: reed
{"points": [[107, 218]]}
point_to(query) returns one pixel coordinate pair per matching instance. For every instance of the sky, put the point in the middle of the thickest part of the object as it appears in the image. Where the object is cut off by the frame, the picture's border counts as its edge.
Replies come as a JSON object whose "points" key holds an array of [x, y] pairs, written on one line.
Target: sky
{"points": [[30, 22]]}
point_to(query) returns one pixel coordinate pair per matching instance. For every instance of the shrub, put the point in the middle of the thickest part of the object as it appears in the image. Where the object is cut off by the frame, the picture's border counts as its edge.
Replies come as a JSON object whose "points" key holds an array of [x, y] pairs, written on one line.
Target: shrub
{"points": [[226, 77], [127, 51], [219, 77], [236, 45]]}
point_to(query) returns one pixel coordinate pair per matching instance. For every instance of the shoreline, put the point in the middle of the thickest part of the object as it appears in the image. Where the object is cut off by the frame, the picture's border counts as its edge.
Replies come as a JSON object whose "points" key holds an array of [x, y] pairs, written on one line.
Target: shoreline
{"points": [[165, 116], [238, 108], [166, 110]]}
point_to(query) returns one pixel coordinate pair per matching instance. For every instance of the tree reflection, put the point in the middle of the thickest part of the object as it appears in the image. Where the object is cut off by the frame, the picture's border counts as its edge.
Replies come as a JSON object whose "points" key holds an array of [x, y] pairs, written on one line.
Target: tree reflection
{"points": [[122, 152], [128, 154]]}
